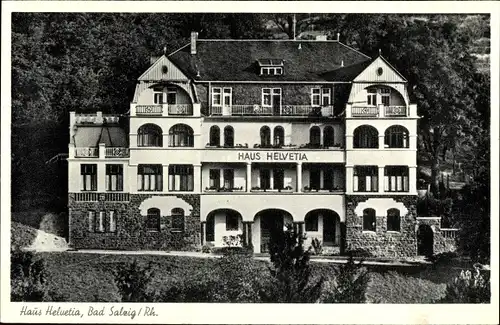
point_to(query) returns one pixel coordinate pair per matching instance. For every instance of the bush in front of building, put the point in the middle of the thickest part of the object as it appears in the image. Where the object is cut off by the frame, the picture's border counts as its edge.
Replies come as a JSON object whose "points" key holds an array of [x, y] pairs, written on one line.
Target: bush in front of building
{"points": [[291, 276], [348, 285], [28, 277], [469, 287], [133, 281]]}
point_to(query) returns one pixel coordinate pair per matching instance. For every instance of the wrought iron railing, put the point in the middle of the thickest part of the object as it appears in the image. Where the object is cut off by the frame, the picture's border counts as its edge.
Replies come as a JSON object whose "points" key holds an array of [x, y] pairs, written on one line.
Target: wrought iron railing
{"points": [[93, 196], [117, 152], [395, 110], [149, 109], [364, 111], [286, 110], [87, 152], [180, 109], [449, 232]]}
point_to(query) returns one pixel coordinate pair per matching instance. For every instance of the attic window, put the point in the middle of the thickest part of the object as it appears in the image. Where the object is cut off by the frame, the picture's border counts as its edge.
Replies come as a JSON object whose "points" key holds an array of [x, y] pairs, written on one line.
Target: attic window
{"points": [[271, 67]]}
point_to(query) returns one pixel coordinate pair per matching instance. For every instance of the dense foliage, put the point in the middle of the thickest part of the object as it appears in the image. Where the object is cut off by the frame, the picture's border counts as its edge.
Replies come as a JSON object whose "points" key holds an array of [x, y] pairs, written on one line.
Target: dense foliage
{"points": [[28, 277], [133, 281], [469, 287]]}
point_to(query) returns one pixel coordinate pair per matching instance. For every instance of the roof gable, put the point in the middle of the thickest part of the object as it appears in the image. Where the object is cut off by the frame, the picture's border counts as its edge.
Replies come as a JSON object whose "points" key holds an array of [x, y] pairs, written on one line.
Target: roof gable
{"points": [[163, 69], [380, 71]]}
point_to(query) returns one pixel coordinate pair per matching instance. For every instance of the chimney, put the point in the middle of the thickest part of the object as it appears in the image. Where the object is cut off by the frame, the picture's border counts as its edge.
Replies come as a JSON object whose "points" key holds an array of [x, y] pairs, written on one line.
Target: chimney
{"points": [[194, 37], [321, 38], [338, 37]]}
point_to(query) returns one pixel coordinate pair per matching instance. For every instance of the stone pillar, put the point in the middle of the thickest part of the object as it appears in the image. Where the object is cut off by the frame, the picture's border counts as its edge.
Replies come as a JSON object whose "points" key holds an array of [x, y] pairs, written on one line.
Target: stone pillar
{"points": [[203, 232], [299, 177], [249, 176], [102, 150], [381, 179], [197, 178], [412, 179], [349, 176], [165, 178], [321, 178], [247, 233], [271, 179], [221, 178]]}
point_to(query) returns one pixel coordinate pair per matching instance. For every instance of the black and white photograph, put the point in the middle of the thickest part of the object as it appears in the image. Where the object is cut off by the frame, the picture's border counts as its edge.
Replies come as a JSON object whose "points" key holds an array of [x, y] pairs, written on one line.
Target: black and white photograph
{"points": [[156, 159]]}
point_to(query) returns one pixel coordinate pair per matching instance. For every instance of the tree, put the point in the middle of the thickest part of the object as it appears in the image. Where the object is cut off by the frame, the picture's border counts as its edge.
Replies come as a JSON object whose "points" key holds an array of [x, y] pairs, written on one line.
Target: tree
{"points": [[133, 281], [28, 277], [351, 281], [291, 270]]}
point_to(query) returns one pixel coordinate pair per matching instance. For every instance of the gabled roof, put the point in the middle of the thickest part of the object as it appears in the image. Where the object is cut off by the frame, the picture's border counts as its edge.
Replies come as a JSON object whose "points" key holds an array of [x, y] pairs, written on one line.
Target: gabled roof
{"points": [[237, 60], [388, 72]]}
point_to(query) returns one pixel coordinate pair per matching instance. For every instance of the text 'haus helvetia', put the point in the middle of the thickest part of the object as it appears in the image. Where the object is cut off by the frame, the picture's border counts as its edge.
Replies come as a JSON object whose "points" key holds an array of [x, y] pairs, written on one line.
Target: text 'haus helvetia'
{"points": [[229, 139]]}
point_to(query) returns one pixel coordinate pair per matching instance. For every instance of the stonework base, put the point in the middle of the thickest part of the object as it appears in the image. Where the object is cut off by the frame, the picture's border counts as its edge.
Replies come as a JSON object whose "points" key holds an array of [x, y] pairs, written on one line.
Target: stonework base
{"points": [[131, 232]]}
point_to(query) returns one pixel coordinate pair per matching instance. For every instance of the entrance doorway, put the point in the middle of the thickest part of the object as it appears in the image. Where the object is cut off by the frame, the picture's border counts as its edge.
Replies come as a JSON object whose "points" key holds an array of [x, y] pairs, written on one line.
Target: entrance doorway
{"points": [[425, 240], [271, 222]]}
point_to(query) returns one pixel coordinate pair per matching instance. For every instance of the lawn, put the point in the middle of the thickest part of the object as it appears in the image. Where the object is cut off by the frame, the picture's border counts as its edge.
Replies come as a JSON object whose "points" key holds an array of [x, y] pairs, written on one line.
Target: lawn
{"points": [[89, 277]]}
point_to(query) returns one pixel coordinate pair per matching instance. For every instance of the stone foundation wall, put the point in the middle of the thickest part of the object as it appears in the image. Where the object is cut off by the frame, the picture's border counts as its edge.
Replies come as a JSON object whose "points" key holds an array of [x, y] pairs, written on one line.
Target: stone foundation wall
{"points": [[440, 243], [131, 233], [381, 243]]}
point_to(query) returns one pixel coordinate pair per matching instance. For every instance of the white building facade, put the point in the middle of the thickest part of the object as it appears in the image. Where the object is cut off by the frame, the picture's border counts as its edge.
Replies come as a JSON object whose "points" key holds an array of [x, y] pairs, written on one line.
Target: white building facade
{"points": [[228, 140]]}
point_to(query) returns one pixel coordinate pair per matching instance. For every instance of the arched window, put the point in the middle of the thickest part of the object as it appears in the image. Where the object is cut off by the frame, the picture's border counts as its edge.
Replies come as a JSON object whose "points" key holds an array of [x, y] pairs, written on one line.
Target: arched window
{"points": [[393, 220], [328, 139], [228, 136], [265, 136], [369, 220], [279, 136], [177, 219], [214, 136], [396, 136], [181, 135], [315, 137], [365, 136], [153, 220], [149, 135]]}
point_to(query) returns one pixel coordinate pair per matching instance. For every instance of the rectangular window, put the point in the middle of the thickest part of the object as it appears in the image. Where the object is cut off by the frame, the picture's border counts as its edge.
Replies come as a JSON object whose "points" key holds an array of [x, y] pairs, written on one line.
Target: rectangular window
{"points": [[227, 96], [372, 97], [91, 221], [149, 178], [88, 174], [315, 97], [216, 96], [385, 96], [171, 96], [396, 179], [158, 95], [265, 179], [114, 177], [270, 71], [214, 183], [228, 178], [180, 178], [100, 224], [315, 178], [365, 179], [279, 178], [328, 179], [326, 96], [266, 97], [112, 221], [231, 221]]}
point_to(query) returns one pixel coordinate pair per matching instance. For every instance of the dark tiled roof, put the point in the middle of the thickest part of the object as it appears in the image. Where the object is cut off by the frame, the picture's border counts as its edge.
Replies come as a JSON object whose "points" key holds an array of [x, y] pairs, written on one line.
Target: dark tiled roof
{"points": [[91, 136], [233, 60], [347, 73]]}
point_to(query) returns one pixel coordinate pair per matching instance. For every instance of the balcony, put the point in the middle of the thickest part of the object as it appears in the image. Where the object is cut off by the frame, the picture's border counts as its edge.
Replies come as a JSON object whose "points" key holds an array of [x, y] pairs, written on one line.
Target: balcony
{"points": [[87, 152], [281, 155], [99, 118], [285, 110], [149, 110], [117, 152], [379, 111], [180, 109]]}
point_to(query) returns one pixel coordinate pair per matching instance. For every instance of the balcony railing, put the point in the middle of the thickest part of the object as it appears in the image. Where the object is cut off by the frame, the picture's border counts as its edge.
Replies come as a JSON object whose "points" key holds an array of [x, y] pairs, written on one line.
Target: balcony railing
{"points": [[180, 109], [149, 109], [117, 152], [365, 111], [395, 110], [286, 110], [87, 152], [449, 232], [94, 196], [95, 119]]}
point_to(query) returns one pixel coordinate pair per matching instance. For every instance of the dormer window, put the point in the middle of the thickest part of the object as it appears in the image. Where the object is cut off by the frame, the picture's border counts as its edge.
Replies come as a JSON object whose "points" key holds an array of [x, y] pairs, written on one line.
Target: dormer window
{"points": [[271, 67]]}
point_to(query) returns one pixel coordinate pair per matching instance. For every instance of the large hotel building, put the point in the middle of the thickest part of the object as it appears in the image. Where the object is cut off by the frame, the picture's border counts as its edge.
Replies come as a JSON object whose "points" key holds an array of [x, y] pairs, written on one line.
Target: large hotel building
{"points": [[226, 139]]}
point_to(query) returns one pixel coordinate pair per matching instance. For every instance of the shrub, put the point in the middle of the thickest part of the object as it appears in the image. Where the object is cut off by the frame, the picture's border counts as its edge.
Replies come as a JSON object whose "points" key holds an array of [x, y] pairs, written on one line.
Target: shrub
{"points": [[206, 249], [133, 281], [291, 271], [317, 246], [350, 284], [468, 288], [28, 278]]}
